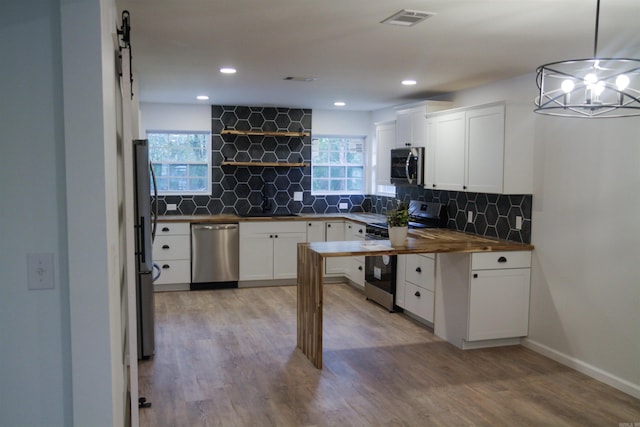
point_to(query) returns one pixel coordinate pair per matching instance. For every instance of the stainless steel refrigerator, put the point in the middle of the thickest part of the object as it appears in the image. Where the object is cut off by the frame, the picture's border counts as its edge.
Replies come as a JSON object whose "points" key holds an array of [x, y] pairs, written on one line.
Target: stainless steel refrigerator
{"points": [[144, 231]]}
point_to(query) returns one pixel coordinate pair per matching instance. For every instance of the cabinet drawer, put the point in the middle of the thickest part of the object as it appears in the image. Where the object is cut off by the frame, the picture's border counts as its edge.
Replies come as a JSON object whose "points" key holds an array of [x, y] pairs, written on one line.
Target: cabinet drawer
{"points": [[419, 301], [174, 272], [420, 270], [499, 260], [172, 228], [171, 247], [268, 227]]}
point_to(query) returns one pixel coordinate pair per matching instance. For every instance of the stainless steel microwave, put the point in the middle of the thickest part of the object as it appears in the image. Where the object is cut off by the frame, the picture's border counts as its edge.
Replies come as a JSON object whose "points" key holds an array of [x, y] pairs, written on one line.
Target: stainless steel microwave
{"points": [[407, 165]]}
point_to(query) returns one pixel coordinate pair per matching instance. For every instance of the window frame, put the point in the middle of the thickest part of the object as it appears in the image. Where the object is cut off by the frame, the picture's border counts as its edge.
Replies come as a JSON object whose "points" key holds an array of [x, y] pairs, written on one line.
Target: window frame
{"points": [[314, 164], [208, 177]]}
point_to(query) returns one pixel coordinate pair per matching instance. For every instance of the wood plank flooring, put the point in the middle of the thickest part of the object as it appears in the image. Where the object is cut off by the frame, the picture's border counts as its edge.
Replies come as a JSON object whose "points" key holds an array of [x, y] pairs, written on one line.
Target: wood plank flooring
{"points": [[229, 358]]}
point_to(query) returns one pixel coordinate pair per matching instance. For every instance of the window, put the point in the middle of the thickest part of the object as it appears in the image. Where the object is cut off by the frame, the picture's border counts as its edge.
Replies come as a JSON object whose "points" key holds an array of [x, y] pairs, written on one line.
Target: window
{"points": [[181, 161], [337, 165]]}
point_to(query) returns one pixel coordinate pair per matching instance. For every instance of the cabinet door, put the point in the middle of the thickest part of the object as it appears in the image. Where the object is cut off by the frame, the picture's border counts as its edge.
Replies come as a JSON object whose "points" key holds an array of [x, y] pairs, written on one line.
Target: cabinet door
{"points": [[256, 256], [403, 130], [285, 254], [400, 280], [449, 151], [429, 157], [421, 271], [418, 128], [498, 304], [385, 141], [315, 231], [335, 233], [485, 149]]}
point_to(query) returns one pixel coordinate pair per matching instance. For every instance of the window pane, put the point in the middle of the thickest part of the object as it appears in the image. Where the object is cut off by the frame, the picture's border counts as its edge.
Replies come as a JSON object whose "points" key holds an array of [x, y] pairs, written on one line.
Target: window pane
{"points": [[335, 157], [163, 184], [320, 184], [198, 170], [355, 158], [320, 171], [354, 185], [355, 172], [337, 185], [320, 158], [338, 172], [178, 170], [197, 184]]}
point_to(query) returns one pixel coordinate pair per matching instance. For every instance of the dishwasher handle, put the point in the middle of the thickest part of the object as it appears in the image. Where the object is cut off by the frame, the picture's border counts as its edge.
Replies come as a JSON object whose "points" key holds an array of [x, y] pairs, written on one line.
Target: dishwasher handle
{"points": [[214, 227]]}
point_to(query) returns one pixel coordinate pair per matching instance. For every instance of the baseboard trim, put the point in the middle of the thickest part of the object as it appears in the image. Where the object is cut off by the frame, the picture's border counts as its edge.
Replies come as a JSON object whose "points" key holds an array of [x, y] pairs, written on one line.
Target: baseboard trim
{"points": [[583, 367]]}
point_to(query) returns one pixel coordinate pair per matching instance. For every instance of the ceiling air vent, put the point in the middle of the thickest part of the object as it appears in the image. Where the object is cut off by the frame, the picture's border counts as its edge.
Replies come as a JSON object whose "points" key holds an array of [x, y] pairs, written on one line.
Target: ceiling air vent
{"points": [[407, 18]]}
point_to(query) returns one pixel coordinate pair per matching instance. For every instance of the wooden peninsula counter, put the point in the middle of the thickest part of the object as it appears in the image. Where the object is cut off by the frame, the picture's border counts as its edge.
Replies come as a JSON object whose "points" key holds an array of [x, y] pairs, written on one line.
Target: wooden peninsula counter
{"points": [[311, 258]]}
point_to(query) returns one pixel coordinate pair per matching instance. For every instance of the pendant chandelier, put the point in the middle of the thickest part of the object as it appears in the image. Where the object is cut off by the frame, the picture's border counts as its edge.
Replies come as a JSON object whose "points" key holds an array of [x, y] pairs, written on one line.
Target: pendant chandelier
{"points": [[596, 87]]}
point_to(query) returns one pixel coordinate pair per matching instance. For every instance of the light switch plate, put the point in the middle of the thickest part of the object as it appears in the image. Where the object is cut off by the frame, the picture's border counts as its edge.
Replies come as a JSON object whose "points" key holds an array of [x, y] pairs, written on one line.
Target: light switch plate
{"points": [[518, 223], [343, 206], [172, 207], [470, 216], [297, 196], [40, 271]]}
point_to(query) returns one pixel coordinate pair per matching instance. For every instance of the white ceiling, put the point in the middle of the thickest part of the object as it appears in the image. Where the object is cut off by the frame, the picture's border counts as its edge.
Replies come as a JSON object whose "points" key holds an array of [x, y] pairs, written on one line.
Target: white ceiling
{"points": [[179, 46]]}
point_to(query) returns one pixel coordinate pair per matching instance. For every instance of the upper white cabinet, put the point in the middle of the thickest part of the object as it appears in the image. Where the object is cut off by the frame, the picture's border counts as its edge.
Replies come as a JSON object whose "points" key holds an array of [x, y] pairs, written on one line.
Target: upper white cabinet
{"points": [[484, 149], [410, 127], [385, 141]]}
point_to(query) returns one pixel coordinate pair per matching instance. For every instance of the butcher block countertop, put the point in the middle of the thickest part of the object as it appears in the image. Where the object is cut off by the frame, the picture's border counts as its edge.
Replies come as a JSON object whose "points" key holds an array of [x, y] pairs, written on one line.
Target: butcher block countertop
{"points": [[363, 217]]}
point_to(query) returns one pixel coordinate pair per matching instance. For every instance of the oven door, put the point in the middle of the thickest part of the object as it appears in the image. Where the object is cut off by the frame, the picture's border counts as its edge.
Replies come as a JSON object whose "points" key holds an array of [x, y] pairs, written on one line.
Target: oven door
{"points": [[380, 279]]}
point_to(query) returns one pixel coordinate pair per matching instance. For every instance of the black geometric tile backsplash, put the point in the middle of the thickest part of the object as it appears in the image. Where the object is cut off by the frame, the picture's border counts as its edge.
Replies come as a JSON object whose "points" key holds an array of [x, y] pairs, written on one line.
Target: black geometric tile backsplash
{"points": [[238, 189], [494, 215]]}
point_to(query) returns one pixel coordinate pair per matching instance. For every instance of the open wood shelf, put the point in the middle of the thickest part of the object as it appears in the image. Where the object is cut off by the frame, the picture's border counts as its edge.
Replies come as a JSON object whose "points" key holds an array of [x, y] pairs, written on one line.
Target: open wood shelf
{"points": [[275, 164], [263, 133]]}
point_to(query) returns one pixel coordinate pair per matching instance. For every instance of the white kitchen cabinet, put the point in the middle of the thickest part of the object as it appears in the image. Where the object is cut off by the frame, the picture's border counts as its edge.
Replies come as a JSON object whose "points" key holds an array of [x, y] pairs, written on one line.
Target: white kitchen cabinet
{"points": [[172, 252], [315, 231], [415, 287], [268, 249], [385, 141], [482, 299], [411, 121], [334, 232], [485, 149], [355, 264]]}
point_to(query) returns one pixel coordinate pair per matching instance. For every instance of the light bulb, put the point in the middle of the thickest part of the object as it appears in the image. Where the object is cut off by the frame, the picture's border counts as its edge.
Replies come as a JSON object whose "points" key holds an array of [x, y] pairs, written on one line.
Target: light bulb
{"points": [[622, 82], [567, 85], [599, 88], [590, 79]]}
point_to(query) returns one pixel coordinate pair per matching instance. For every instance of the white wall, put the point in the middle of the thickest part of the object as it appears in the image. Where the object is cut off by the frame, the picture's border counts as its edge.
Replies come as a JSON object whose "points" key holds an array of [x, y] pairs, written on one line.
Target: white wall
{"points": [[174, 117], [57, 346], [35, 374], [585, 281]]}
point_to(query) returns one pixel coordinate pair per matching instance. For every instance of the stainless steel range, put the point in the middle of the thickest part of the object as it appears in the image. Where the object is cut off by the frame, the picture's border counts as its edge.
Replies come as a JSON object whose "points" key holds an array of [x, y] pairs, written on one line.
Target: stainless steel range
{"points": [[380, 271]]}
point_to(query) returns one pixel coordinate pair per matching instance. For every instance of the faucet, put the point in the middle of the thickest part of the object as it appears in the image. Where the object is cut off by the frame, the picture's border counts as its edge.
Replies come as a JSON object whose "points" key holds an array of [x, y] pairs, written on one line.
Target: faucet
{"points": [[266, 203]]}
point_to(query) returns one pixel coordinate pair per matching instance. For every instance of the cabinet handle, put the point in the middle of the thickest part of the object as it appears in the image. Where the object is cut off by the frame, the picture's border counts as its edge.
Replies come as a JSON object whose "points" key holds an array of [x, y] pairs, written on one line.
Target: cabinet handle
{"points": [[360, 267], [475, 275], [276, 236], [310, 224], [502, 259], [166, 266], [360, 231], [271, 236], [464, 187], [418, 270], [329, 225], [417, 294], [165, 229], [433, 185], [165, 246]]}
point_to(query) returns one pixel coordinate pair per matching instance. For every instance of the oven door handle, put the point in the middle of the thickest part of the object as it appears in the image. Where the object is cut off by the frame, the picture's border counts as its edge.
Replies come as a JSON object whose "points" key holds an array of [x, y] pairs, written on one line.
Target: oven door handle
{"points": [[407, 164]]}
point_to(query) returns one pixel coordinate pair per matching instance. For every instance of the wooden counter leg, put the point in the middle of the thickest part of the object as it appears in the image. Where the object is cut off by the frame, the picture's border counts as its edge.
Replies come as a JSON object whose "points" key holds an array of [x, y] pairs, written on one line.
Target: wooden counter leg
{"points": [[309, 322]]}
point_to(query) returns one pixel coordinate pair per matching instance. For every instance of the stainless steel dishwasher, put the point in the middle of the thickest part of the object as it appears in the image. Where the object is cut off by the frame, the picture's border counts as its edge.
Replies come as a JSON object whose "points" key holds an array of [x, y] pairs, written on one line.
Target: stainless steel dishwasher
{"points": [[214, 255]]}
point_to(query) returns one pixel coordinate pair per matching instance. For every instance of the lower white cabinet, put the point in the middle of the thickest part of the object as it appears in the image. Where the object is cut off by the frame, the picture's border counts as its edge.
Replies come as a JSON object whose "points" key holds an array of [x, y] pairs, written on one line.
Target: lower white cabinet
{"points": [[482, 299], [269, 249], [355, 264], [415, 285], [334, 232], [172, 252]]}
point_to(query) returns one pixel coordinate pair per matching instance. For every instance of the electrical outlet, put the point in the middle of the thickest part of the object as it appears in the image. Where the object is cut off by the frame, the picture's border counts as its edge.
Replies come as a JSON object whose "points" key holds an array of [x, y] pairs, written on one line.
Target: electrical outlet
{"points": [[172, 207], [518, 223], [297, 196], [40, 271], [470, 216], [343, 206]]}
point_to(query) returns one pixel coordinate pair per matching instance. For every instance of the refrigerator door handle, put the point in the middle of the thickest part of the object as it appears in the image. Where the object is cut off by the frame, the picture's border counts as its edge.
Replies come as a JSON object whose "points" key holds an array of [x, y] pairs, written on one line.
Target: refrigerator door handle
{"points": [[159, 272], [155, 203]]}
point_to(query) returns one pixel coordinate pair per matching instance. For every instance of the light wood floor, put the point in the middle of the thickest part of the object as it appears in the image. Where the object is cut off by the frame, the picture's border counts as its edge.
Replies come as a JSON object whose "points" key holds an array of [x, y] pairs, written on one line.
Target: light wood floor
{"points": [[229, 358]]}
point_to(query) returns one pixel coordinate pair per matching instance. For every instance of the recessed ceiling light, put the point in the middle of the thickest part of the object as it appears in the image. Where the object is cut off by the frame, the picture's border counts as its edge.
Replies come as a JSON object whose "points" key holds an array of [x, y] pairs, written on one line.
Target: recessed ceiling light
{"points": [[228, 70], [409, 82], [202, 97], [339, 103]]}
